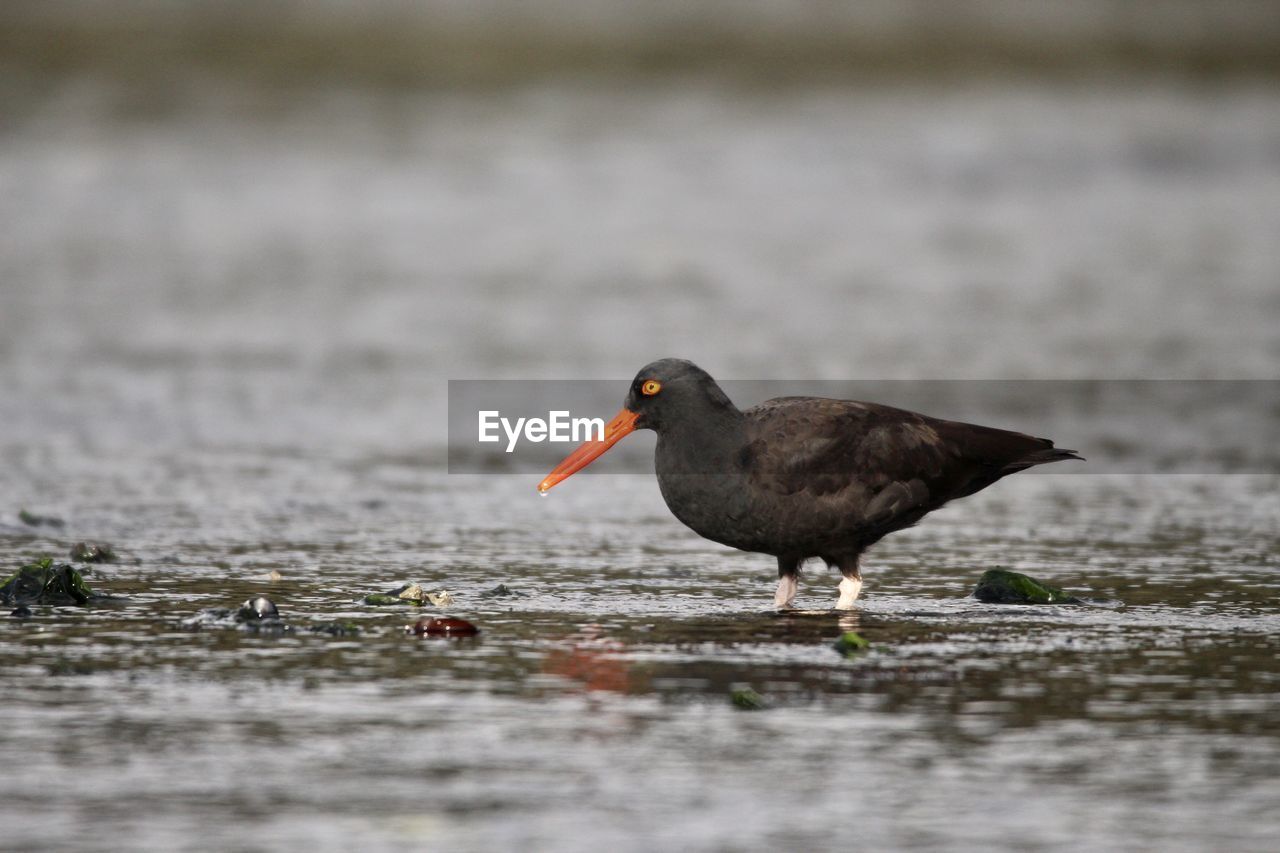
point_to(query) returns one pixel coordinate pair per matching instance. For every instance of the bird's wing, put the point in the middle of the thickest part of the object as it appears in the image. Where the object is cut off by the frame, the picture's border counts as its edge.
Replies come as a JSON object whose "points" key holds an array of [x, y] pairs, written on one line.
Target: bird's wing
{"points": [[885, 463], [822, 446]]}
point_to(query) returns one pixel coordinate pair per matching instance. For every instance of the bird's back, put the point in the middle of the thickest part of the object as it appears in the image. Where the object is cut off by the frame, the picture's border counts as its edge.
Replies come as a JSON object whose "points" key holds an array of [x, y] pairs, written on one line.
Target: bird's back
{"points": [[834, 476]]}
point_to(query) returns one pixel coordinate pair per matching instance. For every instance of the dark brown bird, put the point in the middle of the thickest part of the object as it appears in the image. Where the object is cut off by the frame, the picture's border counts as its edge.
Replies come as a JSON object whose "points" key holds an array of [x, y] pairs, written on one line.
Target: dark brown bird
{"points": [[802, 477]]}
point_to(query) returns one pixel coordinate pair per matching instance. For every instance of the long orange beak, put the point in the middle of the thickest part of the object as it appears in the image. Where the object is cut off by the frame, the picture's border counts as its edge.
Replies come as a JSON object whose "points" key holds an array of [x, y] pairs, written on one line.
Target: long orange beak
{"points": [[623, 423]]}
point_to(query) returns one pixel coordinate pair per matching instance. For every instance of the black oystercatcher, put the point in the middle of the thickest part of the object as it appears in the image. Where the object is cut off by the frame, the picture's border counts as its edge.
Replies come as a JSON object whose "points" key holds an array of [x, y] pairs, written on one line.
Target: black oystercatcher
{"points": [[801, 477]]}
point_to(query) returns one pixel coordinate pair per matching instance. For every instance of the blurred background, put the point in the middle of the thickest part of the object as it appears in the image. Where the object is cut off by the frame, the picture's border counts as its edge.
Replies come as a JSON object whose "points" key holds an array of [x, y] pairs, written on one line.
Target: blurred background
{"points": [[284, 223]]}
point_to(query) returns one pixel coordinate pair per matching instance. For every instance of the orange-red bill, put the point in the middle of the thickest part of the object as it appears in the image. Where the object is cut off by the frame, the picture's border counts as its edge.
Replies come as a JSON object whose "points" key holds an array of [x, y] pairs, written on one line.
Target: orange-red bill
{"points": [[623, 423]]}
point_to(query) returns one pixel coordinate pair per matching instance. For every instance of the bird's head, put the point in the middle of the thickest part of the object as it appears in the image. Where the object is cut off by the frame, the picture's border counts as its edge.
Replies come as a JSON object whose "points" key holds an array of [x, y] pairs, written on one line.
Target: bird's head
{"points": [[663, 394]]}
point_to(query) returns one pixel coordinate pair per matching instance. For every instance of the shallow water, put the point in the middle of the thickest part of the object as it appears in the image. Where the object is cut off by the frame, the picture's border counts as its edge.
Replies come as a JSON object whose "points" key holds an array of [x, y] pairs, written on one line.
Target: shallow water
{"points": [[228, 324], [595, 706]]}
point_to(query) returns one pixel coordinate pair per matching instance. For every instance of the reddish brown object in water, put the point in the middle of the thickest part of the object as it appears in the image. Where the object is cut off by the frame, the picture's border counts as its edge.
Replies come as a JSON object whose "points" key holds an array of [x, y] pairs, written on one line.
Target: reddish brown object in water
{"points": [[593, 659], [444, 626]]}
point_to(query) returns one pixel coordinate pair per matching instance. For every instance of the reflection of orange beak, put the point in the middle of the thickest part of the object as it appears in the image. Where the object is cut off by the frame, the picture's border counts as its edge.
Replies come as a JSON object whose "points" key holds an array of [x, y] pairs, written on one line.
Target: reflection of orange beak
{"points": [[622, 423], [592, 660]]}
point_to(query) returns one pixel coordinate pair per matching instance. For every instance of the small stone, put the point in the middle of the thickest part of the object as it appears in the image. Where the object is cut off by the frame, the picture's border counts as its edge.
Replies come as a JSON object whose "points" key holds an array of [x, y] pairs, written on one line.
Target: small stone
{"points": [[413, 592], [92, 552], [259, 607], [442, 626], [443, 598]]}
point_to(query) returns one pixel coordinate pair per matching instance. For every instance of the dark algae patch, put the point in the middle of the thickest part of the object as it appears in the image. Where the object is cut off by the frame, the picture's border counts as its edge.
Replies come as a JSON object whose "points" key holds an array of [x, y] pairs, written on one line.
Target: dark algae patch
{"points": [[382, 599], [1000, 586], [43, 582], [501, 591], [335, 629]]}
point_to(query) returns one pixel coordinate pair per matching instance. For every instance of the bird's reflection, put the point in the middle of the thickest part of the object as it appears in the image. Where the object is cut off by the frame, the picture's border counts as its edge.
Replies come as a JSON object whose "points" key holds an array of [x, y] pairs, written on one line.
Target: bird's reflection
{"points": [[591, 659], [850, 620]]}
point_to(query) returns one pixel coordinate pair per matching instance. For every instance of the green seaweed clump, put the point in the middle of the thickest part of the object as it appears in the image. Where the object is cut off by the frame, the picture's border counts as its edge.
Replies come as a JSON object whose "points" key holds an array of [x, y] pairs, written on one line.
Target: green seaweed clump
{"points": [[747, 699], [43, 582], [1000, 586], [851, 643], [381, 599]]}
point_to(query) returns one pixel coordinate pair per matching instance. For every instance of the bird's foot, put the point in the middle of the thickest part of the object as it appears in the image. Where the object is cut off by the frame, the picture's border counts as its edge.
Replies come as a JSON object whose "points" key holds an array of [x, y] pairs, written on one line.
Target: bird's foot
{"points": [[785, 597], [849, 589]]}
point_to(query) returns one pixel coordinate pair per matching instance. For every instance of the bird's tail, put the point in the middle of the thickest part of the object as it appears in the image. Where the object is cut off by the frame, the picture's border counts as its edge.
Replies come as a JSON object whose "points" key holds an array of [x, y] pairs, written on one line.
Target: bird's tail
{"points": [[1044, 456]]}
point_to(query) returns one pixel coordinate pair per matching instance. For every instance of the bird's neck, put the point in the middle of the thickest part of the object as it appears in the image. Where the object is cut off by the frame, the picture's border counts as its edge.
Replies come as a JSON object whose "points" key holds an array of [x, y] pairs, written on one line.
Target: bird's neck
{"points": [[701, 475], [708, 442]]}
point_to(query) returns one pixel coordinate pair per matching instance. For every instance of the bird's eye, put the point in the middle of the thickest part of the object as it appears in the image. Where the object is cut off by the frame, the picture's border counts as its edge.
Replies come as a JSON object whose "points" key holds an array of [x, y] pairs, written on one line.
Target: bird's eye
{"points": [[650, 387]]}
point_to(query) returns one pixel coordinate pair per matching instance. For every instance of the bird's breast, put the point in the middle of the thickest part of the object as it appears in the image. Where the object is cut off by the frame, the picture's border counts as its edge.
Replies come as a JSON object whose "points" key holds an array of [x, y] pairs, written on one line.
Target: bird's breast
{"points": [[714, 506]]}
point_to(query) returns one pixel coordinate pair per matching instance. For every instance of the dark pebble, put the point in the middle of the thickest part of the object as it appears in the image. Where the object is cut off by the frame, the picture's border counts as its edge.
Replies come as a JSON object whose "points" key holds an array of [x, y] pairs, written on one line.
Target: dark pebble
{"points": [[260, 607], [92, 552]]}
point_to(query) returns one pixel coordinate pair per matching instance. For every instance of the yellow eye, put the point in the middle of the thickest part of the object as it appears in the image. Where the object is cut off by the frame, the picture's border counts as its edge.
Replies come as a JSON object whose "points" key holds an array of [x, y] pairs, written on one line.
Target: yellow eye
{"points": [[651, 387]]}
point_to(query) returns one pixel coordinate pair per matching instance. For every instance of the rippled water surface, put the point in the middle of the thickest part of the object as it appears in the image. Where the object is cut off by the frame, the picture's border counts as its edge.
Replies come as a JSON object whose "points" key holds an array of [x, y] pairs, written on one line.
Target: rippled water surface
{"points": [[227, 326], [595, 706]]}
